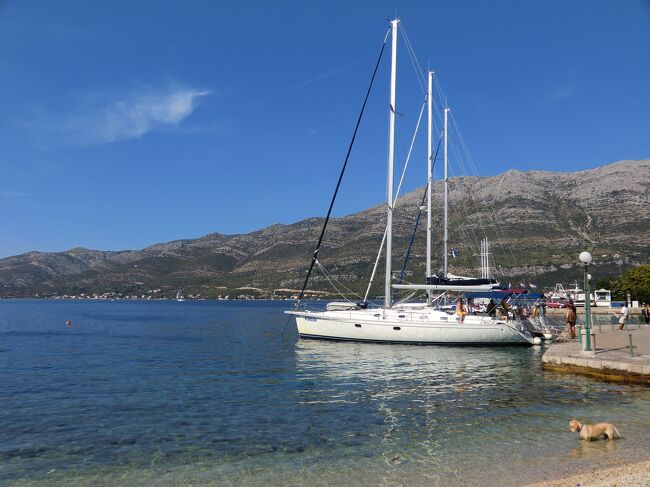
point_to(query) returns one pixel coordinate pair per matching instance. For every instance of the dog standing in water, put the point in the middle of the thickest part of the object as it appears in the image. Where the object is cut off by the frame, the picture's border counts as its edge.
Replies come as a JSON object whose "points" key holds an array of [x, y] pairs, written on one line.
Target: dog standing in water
{"points": [[592, 431]]}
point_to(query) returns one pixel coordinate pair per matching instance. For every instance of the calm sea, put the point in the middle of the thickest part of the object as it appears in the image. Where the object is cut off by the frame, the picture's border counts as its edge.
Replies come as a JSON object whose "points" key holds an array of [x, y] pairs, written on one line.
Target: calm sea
{"points": [[195, 393]]}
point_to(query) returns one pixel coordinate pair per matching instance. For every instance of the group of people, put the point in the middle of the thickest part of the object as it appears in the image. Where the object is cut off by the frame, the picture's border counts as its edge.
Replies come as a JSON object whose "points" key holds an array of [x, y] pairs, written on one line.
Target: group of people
{"points": [[571, 318], [622, 317], [504, 309], [500, 311]]}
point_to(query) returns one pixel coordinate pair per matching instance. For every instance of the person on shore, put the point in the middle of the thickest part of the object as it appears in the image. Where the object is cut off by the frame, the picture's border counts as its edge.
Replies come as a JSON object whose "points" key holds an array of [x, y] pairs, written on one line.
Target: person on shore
{"points": [[646, 313], [622, 318], [461, 310], [571, 319], [492, 308]]}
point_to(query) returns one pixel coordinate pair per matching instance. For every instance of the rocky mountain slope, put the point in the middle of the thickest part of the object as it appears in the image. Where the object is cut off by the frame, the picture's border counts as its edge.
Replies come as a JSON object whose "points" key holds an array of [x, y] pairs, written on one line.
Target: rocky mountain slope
{"points": [[537, 223]]}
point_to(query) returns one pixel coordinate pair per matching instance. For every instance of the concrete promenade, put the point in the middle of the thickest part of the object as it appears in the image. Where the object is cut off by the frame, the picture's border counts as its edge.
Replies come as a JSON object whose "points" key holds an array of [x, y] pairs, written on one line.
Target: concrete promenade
{"points": [[594, 311], [611, 360]]}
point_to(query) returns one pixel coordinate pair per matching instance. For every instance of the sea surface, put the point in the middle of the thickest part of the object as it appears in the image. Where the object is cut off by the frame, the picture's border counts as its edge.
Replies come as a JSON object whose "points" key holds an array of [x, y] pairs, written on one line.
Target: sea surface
{"points": [[210, 393]]}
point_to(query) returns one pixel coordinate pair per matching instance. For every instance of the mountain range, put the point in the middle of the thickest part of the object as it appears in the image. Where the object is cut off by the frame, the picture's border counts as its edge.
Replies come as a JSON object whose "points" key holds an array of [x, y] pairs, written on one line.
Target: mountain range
{"points": [[537, 223]]}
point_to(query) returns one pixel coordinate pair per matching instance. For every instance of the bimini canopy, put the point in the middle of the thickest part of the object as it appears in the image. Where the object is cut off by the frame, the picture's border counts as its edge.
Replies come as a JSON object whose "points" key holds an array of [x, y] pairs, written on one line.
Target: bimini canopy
{"points": [[498, 295]]}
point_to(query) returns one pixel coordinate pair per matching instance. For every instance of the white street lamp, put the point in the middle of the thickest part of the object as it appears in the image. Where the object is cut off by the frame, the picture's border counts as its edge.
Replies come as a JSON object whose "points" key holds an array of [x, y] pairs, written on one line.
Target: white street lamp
{"points": [[585, 260]]}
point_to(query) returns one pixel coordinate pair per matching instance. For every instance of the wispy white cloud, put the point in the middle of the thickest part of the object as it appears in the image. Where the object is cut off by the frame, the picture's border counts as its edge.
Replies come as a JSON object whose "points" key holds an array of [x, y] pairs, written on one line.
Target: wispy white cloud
{"points": [[13, 194], [102, 119], [134, 116]]}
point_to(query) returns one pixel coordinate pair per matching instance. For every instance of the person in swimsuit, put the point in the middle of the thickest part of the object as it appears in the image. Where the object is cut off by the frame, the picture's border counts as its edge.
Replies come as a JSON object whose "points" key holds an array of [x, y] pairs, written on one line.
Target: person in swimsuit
{"points": [[461, 310]]}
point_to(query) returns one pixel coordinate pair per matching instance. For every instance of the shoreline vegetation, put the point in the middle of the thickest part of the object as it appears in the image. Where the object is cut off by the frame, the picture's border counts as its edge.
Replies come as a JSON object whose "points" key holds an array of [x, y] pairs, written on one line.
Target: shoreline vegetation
{"points": [[628, 475]]}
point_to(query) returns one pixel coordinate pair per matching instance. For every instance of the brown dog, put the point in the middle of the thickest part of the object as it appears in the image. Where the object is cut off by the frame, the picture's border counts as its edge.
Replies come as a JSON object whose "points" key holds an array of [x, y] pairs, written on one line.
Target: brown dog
{"points": [[592, 431]]}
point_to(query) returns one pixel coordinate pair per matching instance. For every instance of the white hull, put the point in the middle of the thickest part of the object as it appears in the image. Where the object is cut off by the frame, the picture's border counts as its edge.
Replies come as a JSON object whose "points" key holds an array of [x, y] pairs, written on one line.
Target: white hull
{"points": [[424, 326]]}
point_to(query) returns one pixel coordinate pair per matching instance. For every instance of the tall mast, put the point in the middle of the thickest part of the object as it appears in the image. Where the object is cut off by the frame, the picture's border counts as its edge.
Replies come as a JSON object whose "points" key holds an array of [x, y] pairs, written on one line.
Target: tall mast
{"points": [[429, 178], [482, 259], [487, 258], [391, 157], [444, 272]]}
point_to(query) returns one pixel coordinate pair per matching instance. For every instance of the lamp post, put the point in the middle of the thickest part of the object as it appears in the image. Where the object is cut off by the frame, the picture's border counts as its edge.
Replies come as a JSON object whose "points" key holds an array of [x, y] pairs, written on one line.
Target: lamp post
{"points": [[585, 260]]}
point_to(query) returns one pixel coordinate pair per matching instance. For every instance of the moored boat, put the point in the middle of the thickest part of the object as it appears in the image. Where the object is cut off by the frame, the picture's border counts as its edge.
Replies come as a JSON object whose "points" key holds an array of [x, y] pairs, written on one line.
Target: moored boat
{"points": [[422, 324]]}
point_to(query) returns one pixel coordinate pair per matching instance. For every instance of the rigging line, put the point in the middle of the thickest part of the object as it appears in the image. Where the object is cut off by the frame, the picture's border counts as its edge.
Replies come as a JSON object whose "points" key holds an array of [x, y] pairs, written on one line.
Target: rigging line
{"points": [[495, 225], [381, 248], [408, 155], [331, 278], [345, 163], [399, 187], [441, 93], [470, 207], [497, 230], [466, 231], [338, 184], [466, 228], [414, 59], [417, 218]]}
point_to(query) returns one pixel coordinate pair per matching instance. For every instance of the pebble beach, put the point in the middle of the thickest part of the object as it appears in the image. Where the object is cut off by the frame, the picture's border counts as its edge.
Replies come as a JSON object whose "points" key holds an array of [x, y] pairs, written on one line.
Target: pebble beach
{"points": [[632, 475]]}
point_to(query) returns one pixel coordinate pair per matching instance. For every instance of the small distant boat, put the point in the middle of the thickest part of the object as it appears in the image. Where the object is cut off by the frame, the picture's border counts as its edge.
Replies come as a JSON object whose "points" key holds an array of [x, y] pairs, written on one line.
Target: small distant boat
{"points": [[578, 296], [179, 296], [603, 298]]}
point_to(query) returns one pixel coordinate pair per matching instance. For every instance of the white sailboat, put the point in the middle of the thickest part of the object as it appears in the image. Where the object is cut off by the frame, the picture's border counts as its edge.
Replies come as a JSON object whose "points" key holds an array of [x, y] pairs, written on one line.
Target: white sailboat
{"points": [[410, 323], [179, 296]]}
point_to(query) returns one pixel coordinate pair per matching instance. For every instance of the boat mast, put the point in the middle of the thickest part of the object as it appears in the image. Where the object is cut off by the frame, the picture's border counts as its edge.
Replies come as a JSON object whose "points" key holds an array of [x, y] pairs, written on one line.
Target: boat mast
{"points": [[487, 259], [429, 178], [391, 157], [445, 269]]}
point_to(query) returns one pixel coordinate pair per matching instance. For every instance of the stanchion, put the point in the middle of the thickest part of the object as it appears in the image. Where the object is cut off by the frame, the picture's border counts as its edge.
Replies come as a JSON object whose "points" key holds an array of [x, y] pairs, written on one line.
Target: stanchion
{"points": [[631, 347], [579, 334], [593, 341]]}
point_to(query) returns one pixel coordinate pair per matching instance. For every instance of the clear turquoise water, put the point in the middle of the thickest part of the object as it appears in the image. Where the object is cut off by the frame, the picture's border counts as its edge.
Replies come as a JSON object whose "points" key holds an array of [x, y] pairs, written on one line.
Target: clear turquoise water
{"points": [[208, 393]]}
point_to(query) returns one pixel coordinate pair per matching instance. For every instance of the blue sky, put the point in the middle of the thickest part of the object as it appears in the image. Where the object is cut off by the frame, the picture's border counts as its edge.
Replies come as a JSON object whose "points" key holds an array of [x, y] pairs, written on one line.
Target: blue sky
{"points": [[124, 123]]}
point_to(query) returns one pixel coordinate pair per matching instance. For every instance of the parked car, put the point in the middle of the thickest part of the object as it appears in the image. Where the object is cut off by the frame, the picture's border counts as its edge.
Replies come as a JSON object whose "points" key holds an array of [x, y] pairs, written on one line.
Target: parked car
{"points": [[557, 303]]}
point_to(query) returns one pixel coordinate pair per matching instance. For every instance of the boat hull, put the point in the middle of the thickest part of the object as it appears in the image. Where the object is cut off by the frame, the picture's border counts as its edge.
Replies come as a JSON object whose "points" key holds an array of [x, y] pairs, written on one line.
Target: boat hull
{"points": [[418, 327]]}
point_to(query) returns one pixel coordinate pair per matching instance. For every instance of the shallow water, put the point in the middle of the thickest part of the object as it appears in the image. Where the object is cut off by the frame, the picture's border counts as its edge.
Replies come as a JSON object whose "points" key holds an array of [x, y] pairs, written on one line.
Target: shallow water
{"points": [[136, 393]]}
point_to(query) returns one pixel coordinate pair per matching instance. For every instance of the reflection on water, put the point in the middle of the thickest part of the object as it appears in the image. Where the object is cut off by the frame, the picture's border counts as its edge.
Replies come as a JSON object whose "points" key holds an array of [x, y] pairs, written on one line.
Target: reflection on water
{"points": [[455, 413], [208, 393], [586, 449]]}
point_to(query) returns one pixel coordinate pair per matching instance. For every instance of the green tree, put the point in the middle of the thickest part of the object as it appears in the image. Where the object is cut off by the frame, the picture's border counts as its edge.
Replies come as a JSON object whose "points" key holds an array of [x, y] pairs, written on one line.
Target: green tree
{"points": [[635, 281]]}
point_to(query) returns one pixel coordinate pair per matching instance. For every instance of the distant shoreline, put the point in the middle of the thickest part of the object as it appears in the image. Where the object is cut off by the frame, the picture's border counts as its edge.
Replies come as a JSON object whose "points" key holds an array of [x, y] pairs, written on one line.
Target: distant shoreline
{"points": [[549, 311]]}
